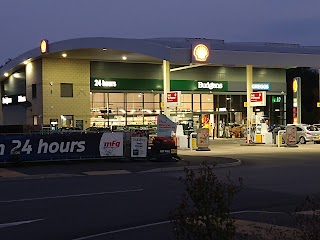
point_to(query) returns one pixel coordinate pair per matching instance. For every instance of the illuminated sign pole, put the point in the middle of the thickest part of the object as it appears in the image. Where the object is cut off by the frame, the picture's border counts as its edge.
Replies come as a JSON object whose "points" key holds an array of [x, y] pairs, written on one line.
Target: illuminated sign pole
{"points": [[296, 87], [249, 108], [166, 86]]}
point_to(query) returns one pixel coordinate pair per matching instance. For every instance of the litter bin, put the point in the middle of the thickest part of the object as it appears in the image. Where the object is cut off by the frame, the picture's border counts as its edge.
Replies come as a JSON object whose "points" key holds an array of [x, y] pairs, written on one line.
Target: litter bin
{"points": [[163, 148]]}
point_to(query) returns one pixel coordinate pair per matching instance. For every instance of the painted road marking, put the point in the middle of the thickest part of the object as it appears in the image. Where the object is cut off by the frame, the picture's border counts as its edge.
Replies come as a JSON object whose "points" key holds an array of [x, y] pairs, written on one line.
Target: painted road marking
{"points": [[4, 172], [110, 172], [242, 226], [73, 195], [4, 225], [123, 230]]}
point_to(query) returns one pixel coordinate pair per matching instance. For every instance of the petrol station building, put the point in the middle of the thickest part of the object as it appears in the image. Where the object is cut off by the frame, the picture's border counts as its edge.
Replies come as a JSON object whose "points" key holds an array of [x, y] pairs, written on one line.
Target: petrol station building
{"points": [[112, 82]]}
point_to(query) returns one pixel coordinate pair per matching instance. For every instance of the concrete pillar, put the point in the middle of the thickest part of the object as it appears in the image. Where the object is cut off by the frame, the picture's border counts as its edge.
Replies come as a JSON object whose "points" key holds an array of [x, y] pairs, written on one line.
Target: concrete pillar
{"points": [[166, 85], [249, 108], [285, 109], [1, 110]]}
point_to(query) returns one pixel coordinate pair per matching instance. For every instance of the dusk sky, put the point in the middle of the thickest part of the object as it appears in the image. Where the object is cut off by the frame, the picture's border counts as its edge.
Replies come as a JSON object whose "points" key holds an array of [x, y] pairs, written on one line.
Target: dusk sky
{"points": [[25, 23]]}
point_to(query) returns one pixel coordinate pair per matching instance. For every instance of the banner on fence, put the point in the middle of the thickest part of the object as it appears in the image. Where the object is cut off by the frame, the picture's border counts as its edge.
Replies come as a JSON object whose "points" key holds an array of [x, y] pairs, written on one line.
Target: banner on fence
{"points": [[60, 146]]}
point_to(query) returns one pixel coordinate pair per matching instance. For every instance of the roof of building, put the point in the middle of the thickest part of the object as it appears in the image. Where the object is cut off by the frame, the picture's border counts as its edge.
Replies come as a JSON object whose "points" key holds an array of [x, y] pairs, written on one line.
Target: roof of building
{"points": [[177, 51]]}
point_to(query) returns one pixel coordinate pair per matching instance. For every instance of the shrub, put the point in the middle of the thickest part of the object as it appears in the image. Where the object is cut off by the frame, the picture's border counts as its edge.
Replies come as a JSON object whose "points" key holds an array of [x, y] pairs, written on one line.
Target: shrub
{"points": [[203, 213]]}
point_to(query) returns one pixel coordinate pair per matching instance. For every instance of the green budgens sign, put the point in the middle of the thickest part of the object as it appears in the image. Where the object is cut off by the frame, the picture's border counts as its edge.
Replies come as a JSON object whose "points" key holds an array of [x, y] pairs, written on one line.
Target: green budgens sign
{"points": [[156, 85], [210, 85]]}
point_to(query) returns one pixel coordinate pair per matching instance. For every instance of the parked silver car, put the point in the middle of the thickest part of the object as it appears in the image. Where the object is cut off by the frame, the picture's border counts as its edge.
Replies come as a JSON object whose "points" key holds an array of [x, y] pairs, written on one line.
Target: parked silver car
{"points": [[305, 133]]}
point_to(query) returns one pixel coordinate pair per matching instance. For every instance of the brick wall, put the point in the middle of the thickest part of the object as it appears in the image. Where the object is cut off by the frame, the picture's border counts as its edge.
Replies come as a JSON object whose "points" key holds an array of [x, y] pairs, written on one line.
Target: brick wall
{"points": [[56, 71], [34, 76]]}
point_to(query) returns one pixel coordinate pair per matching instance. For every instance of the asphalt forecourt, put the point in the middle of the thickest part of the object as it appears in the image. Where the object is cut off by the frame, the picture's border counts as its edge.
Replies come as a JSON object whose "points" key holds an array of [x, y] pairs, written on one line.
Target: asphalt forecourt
{"points": [[106, 167]]}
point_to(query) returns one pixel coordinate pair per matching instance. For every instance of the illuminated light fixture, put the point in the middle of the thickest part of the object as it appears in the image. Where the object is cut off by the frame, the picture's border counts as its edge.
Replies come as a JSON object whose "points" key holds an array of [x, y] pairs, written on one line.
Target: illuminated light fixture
{"points": [[44, 46], [104, 49], [64, 55], [258, 110], [22, 98], [6, 74], [25, 62], [201, 52], [124, 58], [16, 75], [6, 100], [122, 110], [209, 99], [295, 85]]}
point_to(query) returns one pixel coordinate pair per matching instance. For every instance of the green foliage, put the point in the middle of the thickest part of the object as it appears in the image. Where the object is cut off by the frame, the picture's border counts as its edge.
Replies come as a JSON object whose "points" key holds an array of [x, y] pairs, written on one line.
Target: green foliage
{"points": [[204, 211], [308, 219]]}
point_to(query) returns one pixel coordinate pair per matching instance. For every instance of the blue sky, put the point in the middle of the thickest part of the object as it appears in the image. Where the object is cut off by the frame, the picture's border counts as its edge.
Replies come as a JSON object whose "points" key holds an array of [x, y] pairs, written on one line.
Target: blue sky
{"points": [[25, 23]]}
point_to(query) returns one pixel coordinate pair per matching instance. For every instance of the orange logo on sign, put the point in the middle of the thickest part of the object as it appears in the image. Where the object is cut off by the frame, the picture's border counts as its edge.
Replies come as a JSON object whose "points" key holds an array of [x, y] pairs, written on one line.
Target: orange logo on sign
{"points": [[201, 52]]}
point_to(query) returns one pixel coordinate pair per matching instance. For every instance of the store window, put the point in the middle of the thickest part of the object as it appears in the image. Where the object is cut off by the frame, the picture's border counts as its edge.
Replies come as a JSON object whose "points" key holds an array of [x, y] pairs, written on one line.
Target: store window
{"points": [[196, 107], [135, 108], [34, 90], [35, 120], [66, 89], [207, 102], [186, 103], [117, 110], [67, 121]]}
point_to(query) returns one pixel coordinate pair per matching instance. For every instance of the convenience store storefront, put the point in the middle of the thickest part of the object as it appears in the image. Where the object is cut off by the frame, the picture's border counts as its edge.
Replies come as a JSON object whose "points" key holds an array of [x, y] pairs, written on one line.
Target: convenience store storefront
{"points": [[122, 82], [126, 102]]}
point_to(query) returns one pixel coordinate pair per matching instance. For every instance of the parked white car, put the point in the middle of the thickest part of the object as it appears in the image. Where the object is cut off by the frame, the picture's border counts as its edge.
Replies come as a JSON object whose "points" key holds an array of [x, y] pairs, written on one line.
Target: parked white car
{"points": [[305, 133]]}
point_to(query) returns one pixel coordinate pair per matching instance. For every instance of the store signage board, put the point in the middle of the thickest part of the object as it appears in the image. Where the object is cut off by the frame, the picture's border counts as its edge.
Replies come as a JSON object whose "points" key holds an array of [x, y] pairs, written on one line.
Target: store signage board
{"points": [[104, 83], [276, 99], [291, 135], [100, 83], [210, 85], [258, 99], [165, 126], [111, 144], [174, 99], [261, 86], [200, 52]]}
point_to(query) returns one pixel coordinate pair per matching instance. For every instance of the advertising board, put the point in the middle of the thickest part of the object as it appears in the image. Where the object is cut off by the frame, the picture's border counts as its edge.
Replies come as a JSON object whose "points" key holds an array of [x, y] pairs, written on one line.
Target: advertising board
{"points": [[60, 146], [165, 126], [258, 99], [291, 135], [139, 143], [174, 99], [203, 137]]}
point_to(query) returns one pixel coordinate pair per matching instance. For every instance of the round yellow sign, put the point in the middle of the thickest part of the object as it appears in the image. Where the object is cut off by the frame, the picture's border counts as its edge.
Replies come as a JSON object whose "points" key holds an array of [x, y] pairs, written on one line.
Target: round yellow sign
{"points": [[201, 52]]}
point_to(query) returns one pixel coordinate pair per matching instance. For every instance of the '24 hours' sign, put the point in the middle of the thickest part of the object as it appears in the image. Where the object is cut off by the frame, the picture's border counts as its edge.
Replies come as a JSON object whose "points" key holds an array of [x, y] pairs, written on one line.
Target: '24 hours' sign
{"points": [[60, 146]]}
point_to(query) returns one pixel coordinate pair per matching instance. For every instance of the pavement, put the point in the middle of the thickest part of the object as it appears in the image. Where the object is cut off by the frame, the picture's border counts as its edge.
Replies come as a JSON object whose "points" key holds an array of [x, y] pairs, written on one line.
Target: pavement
{"points": [[191, 159], [223, 153]]}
